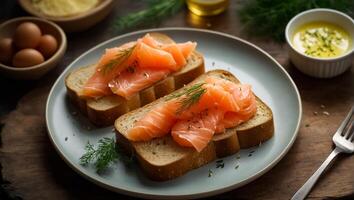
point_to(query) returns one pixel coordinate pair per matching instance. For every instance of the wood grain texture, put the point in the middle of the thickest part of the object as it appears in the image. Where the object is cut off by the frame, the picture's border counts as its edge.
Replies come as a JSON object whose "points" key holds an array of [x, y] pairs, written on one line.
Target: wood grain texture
{"points": [[36, 171]]}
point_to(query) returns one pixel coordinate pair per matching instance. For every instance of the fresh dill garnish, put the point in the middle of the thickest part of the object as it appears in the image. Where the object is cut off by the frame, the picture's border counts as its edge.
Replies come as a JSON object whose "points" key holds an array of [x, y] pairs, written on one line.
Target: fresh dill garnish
{"points": [[210, 173], [156, 11], [103, 156], [220, 164], [189, 96], [270, 17], [122, 56]]}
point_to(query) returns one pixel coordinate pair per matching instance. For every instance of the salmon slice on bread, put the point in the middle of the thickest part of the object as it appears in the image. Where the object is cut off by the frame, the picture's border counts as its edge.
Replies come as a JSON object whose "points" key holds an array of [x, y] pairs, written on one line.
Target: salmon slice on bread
{"points": [[163, 158], [104, 110]]}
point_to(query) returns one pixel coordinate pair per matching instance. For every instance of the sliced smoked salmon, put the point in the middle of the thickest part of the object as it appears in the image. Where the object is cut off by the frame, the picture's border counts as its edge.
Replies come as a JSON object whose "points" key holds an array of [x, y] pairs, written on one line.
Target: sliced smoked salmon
{"points": [[157, 123], [110, 65], [197, 131], [187, 48], [214, 96], [149, 57], [176, 54], [158, 60], [207, 108], [134, 80], [148, 40]]}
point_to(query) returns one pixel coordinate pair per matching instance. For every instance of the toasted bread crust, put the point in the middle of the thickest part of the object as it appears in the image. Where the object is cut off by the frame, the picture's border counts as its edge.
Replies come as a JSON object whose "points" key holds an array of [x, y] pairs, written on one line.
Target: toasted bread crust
{"points": [[190, 159], [226, 143], [257, 135], [178, 168], [180, 160], [105, 110]]}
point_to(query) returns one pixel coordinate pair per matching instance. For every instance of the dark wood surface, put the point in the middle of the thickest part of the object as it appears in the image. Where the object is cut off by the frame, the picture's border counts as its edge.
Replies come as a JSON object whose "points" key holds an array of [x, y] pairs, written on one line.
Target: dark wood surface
{"points": [[31, 169]]}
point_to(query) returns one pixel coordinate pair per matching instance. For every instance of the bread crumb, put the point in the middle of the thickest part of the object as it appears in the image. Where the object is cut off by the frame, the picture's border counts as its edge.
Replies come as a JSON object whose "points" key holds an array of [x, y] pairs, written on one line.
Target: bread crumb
{"points": [[322, 106], [325, 113], [315, 113]]}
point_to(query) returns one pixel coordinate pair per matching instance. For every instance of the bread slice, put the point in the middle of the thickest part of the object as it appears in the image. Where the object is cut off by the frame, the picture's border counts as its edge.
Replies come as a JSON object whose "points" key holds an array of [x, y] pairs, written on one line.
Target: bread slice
{"points": [[163, 159], [103, 111]]}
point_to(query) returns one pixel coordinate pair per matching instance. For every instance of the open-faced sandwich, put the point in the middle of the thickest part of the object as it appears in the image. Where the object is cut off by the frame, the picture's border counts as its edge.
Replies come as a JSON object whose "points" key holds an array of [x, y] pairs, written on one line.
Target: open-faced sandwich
{"points": [[132, 75], [213, 116]]}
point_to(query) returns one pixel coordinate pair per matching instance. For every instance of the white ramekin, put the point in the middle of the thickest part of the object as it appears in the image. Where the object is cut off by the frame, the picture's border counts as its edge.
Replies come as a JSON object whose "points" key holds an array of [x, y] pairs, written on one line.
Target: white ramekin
{"points": [[320, 67]]}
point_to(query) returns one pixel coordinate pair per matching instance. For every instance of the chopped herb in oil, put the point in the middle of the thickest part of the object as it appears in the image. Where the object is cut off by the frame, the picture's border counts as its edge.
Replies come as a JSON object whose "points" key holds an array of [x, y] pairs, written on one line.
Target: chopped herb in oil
{"points": [[322, 40]]}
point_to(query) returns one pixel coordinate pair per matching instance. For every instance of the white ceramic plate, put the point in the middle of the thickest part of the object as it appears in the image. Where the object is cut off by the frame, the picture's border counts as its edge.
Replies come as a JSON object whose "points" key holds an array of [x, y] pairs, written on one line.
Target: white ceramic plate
{"points": [[249, 63]]}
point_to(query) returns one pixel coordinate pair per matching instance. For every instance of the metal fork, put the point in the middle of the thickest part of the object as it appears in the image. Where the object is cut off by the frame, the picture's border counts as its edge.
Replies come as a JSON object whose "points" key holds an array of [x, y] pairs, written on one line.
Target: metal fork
{"points": [[344, 141]]}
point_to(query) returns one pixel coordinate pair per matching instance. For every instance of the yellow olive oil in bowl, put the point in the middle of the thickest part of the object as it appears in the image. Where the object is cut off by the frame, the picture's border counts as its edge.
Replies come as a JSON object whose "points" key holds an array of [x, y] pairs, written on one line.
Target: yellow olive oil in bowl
{"points": [[322, 40]]}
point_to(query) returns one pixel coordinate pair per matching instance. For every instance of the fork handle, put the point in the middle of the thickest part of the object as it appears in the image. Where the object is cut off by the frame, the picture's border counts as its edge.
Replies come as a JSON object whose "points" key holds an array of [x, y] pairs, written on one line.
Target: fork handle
{"points": [[306, 188]]}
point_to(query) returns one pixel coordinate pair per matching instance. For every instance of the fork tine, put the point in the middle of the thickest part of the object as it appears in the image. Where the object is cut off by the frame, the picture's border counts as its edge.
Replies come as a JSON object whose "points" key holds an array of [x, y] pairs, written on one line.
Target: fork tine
{"points": [[345, 121], [351, 132], [348, 130]]}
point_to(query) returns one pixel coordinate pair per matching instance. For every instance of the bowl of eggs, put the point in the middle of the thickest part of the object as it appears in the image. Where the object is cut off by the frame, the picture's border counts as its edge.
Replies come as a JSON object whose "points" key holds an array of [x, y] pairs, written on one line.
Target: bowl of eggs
{"points": [[30, 47]]}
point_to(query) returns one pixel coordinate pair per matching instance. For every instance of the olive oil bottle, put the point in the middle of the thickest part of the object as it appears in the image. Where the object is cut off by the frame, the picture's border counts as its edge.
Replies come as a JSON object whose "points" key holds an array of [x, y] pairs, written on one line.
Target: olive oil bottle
{"points": [[207, 7]]}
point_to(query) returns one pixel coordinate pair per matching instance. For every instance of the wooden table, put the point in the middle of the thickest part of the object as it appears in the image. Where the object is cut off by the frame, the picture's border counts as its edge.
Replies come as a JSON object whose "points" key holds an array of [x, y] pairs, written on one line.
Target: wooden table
{"points": [[31, 168]]}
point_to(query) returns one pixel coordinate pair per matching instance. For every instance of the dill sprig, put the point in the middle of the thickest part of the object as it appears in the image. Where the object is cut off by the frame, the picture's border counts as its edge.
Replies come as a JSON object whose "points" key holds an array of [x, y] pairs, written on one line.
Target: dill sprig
{"points": [[270, 17], [122, 56], [103, 156], [190, 96], [156, 11]]}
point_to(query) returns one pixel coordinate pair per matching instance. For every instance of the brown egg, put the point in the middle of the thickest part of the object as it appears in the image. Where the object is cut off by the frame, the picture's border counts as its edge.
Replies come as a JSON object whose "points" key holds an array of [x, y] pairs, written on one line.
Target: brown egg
{"points": [[27, 35], [47, 45], [27, 58], [6, 50]]}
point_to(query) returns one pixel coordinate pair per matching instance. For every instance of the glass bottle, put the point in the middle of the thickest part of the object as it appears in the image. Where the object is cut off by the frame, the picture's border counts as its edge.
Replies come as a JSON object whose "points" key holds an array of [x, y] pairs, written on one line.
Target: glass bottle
{"points": [[207, 7]]}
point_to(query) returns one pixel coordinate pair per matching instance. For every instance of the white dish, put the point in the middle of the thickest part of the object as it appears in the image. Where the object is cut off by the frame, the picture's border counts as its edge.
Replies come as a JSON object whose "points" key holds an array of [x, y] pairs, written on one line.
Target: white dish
{"points": [[320, 67], [249, 63]]}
